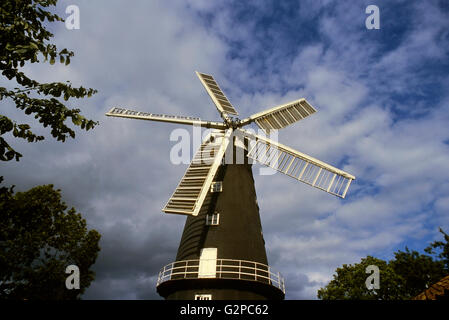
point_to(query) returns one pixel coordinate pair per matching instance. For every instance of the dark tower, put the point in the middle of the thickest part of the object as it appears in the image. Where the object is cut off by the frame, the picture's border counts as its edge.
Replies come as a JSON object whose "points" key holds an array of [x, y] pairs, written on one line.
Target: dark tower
{"points": [[228, 232]]}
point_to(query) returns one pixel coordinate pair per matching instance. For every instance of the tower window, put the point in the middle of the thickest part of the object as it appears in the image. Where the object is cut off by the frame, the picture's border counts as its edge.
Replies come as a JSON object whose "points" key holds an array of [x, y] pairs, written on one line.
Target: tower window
{"points": [[213, 219], [202, 296], [216, 186]]}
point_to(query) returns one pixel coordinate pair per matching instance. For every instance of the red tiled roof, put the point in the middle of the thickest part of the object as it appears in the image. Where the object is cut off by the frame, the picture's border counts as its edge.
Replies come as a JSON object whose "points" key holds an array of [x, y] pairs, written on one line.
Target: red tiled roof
{"points": [[435, 291]]}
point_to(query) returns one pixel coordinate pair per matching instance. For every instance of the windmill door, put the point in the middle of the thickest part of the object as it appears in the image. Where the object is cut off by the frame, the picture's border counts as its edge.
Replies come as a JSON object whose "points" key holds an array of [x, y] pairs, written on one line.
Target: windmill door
{"points": [[208, 263]]}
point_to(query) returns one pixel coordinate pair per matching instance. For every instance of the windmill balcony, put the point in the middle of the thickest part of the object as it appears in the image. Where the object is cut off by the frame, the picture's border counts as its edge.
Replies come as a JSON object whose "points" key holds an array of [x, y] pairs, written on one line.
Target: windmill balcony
{"points": [[221, 269]]}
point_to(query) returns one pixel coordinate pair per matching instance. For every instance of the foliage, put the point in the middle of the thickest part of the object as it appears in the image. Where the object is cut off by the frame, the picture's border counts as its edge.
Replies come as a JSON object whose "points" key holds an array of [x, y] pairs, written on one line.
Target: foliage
{"points": [[401, 278], [24, 39], [443, 246], [418, 271], [39, 238], [349, 282]]}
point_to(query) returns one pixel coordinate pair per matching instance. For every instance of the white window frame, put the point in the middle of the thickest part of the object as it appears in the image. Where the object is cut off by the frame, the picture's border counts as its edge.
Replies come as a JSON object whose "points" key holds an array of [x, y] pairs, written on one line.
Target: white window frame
{"points": [[216, 186], [213, 219], [203, 296]]}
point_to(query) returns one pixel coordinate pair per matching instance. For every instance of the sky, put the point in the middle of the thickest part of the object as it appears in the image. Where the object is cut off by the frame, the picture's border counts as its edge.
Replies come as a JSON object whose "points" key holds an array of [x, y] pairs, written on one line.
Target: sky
{"points": [[383, 107]]}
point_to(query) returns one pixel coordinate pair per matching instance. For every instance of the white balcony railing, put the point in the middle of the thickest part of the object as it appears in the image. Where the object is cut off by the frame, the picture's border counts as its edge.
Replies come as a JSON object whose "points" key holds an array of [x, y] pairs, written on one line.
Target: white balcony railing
{"points": [[225, 269]]}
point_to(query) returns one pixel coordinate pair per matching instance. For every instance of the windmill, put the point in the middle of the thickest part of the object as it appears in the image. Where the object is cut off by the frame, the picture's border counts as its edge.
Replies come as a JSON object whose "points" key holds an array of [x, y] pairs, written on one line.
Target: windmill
{"points": [[222, 251]]}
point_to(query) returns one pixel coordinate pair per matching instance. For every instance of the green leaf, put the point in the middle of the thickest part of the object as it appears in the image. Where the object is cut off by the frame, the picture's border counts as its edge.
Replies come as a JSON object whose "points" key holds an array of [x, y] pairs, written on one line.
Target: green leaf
{"points": [[76, 120], [24, 35]]}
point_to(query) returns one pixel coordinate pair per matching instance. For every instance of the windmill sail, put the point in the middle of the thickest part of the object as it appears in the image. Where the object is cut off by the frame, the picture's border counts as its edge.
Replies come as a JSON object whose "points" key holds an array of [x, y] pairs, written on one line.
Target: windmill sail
{"points": [[126, 113], [281, 116], [193, 190], [218, 97], [299, 165]]}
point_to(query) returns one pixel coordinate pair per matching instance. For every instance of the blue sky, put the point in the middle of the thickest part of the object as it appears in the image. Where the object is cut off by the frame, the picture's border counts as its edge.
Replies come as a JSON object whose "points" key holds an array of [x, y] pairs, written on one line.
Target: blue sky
{"points": [[382, 99]]}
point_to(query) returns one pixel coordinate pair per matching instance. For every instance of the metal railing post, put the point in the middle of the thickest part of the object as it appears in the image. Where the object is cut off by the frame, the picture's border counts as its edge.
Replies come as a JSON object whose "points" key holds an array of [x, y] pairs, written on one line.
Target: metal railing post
{"points": [[240, 268], [255, 271], [269, 275], [171, 269]]}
